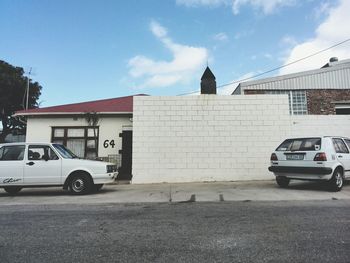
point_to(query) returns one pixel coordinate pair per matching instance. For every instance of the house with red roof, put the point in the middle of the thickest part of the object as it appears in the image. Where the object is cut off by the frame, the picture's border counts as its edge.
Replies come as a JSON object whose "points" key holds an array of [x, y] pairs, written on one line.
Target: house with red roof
{"points": [[94, 129]]}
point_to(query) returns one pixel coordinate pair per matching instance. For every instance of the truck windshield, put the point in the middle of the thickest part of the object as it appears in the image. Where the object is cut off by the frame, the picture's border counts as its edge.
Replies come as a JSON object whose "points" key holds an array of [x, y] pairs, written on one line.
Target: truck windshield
{"points": [[64, 152]]}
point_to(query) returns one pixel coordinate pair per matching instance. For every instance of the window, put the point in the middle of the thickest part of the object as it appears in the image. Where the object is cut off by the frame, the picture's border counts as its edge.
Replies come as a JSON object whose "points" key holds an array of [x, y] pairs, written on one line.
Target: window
{"points": [[297, 100], [12, 153], [339, 146], [347, 141], [41, 152], [82, 141], [304, 144]]}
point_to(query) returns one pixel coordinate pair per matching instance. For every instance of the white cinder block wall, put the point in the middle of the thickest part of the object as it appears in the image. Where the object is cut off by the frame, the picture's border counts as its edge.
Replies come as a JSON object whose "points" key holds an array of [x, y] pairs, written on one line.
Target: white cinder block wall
{"points": [[216, 138]]}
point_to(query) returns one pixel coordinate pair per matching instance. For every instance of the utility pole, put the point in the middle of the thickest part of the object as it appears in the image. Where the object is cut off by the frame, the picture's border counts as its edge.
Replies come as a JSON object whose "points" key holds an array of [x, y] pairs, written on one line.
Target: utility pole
{"points": [[30, 71]]}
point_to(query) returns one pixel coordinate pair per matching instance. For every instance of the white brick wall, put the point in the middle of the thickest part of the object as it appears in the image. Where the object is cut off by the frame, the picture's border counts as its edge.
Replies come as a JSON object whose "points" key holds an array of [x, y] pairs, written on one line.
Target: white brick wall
{"points": [[216, 138]]}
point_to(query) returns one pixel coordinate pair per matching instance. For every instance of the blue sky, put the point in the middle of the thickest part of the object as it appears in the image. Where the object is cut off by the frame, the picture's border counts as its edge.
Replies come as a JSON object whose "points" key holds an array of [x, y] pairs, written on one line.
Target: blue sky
{"points": [[83, 50]]}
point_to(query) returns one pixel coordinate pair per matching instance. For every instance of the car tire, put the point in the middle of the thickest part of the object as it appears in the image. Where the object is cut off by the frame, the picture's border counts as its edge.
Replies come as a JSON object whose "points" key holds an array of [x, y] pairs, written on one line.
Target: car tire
{"points": [[282, 181], [12, 190], [80, 184], [337, 181], [97, 187]]}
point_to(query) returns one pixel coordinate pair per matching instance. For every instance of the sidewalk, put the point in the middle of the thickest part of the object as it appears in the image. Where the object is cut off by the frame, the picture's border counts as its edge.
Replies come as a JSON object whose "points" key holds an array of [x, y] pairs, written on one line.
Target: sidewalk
{"points": [[184, 192]]}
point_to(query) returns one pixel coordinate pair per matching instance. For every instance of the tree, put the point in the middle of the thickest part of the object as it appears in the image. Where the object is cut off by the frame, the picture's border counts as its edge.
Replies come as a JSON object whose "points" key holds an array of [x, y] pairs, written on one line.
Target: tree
{"points": [[13, 86], [92, 118]]}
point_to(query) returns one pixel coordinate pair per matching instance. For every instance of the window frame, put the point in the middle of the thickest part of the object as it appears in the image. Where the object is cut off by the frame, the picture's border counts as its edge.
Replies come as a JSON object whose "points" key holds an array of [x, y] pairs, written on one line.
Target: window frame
{"points": [[86, 137], [41, 146], [334, 140], [9, 146]]}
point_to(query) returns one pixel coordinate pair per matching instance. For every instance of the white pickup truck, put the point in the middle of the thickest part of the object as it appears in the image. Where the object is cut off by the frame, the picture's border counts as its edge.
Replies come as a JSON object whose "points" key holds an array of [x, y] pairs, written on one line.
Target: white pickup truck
{"points": [[45, 164]]}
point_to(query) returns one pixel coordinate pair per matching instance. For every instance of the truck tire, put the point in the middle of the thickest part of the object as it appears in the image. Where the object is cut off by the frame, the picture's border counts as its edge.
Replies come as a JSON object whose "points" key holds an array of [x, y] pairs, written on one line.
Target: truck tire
{"points": [[282, 181], [12, 190], [80, 184], [337, 181]]}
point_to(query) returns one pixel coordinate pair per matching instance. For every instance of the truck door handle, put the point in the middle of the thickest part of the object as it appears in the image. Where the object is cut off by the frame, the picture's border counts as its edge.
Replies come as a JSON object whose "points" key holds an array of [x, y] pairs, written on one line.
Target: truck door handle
{"points": [[340, 156], [30, 163]]}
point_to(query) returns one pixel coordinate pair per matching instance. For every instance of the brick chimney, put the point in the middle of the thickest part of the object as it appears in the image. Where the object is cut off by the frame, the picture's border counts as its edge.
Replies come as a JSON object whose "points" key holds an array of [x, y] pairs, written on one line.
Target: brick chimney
{"points": [[208, 83]]}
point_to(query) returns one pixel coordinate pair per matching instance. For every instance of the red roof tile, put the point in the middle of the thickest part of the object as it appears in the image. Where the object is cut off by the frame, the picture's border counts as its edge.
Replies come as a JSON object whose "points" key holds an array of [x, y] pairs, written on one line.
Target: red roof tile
{"points": [[115, 105]]}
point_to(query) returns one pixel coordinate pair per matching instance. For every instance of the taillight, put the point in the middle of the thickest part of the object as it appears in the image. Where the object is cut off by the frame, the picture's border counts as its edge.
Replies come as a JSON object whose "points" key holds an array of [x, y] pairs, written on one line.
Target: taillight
{"points": [[320, 157], [274, 157]]}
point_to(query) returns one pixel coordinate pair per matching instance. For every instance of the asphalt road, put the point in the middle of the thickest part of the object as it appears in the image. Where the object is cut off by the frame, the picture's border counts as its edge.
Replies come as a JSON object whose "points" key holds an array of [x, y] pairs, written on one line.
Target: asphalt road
{"points": [[291, 231]]}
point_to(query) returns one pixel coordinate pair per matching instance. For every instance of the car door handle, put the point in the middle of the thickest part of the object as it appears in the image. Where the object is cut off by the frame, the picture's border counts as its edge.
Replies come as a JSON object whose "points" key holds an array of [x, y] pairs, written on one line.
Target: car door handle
{"points": [[340, 156], [30, 163]]}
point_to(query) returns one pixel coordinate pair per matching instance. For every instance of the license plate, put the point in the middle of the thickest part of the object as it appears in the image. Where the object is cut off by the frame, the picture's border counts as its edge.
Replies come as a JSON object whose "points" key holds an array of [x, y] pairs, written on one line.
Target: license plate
{"points": [[295, 157]]}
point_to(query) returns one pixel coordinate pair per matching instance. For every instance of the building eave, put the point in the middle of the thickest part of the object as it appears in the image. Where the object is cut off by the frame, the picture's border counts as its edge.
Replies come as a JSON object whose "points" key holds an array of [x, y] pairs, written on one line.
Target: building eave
{"points": [[67, 113]]}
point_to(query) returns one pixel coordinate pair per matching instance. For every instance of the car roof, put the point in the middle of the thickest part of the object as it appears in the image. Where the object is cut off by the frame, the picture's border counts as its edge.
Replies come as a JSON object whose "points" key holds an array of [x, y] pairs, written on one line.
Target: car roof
{"points": [[325, 136], [25, 143]]}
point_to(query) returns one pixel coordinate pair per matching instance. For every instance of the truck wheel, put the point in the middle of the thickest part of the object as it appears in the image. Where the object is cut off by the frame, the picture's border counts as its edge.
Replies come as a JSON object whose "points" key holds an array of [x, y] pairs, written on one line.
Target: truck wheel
{"points": [[97, 187], [337, 181], [80, 184], [12, 190], [282, 181]]}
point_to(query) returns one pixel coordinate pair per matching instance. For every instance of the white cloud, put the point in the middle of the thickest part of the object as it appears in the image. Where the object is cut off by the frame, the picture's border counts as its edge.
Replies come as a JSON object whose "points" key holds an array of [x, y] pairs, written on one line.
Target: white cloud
{"points": [[267, 6], [221, 37], [195, 3], [186, 61], [332, 30]]}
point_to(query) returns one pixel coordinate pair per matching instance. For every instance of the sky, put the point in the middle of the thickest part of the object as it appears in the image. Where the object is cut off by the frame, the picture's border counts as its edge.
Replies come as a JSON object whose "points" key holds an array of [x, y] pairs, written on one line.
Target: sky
{"points": [[82, 50]]}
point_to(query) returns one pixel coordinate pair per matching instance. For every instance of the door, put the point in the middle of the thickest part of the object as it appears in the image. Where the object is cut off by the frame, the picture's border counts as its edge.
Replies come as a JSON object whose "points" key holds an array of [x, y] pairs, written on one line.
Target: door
{"points": [[11, 164], [347, 173], [342, 153], [42, 166], [125, 169]]}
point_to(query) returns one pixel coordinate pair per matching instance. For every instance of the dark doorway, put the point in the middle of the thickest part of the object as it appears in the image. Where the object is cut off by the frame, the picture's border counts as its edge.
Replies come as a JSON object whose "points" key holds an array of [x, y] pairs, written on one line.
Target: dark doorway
{"points": [[343, 111], [125, 170]]}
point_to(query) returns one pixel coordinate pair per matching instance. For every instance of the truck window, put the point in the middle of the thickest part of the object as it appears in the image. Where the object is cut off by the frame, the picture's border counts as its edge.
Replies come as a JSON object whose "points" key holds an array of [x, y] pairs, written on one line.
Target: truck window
{"points": [[12, 153]]}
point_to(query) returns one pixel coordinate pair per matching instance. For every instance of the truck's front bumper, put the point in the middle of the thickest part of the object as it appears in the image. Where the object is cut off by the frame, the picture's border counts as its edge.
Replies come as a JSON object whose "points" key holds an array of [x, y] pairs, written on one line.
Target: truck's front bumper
{"points": [[104, 178]]}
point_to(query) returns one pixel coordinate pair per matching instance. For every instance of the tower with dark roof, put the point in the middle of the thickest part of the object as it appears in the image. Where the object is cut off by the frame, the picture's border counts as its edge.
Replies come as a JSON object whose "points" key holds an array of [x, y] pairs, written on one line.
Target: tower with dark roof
{"points": [[208, 83]]}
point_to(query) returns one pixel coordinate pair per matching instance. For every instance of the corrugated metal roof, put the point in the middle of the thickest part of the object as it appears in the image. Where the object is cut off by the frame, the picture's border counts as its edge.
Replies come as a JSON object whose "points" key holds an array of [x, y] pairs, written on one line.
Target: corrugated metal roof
{"points": [[334, 76]]}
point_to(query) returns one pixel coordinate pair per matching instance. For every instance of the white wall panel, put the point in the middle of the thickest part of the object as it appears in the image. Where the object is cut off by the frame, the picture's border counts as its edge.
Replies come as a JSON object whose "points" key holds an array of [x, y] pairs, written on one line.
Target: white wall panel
{"points": [[39, 130]]}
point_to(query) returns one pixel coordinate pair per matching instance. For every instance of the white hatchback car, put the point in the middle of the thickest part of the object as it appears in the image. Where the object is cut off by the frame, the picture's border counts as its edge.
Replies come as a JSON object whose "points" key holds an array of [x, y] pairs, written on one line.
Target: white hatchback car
{"points": [[46, 164], [324, 158]]}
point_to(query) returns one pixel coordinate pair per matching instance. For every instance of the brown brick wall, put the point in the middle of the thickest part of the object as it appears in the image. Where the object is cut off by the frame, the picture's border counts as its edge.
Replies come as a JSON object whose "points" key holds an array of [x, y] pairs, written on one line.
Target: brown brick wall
{"points": [[253, 92], [319, 102]]}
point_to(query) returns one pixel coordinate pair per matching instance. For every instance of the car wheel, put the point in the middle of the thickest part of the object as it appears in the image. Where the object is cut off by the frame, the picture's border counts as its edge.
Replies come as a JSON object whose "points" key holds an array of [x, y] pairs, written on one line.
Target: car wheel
{"points": [[80, 184], [337, 181], [97, 187], [282, 181], [12, 190]]}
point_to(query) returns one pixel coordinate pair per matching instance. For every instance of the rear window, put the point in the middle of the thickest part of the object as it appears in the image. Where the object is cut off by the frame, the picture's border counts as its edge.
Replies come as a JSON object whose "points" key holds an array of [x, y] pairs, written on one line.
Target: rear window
{"points": [[303, 144]]}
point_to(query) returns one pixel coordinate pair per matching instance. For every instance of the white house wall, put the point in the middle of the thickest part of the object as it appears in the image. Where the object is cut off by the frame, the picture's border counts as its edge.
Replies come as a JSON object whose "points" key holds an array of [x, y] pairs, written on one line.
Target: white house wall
{"points": [[216, 138], [39, 130]]}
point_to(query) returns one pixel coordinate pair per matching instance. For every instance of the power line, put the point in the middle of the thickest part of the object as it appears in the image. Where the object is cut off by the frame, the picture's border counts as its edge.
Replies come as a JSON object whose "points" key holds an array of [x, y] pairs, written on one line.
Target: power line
{"points": [[274, 69]]}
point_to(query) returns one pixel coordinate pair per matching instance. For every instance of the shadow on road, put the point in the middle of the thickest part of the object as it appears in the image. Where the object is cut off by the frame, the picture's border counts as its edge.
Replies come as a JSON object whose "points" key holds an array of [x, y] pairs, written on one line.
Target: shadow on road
{"points": [[49, 192], [313, 186]]}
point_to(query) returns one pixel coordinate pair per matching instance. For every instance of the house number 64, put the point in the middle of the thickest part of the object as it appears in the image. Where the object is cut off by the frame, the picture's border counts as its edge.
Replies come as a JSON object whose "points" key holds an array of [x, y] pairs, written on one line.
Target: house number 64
{"points": [[108, 143]]}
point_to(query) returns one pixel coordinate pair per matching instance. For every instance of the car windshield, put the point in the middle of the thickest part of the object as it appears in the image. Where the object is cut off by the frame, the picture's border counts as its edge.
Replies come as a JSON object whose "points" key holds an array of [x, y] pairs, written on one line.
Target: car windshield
{"points": [[303, 144], [64, 152]]}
